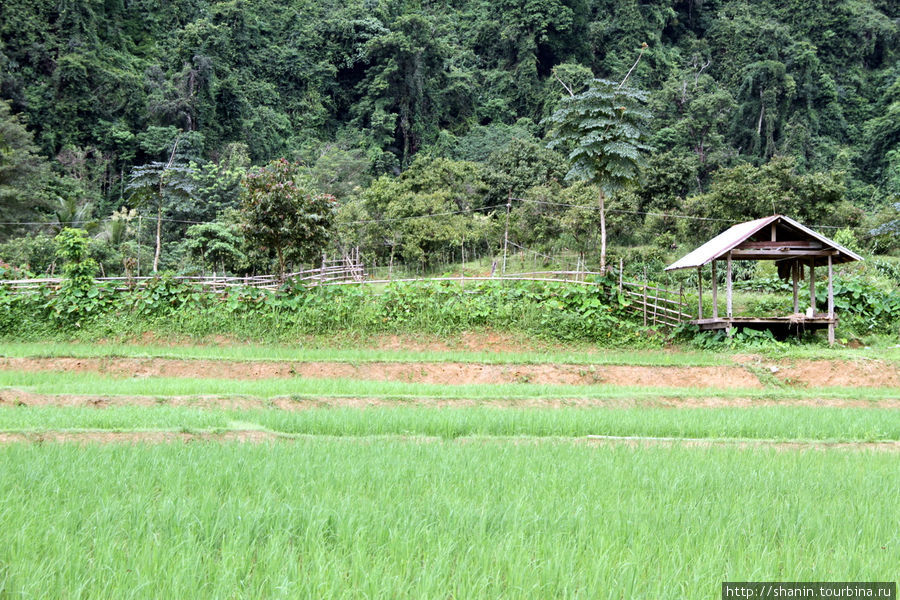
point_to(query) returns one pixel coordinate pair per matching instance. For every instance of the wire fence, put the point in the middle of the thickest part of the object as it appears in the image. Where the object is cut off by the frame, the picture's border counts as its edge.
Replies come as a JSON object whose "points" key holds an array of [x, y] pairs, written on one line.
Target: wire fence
{"points": [[658, 306]]}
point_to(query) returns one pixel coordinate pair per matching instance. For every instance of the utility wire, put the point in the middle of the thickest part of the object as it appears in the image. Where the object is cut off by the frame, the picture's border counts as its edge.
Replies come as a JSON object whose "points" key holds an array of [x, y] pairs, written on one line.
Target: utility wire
{"points": [[443, 214], [668, 215], [455, 212]]}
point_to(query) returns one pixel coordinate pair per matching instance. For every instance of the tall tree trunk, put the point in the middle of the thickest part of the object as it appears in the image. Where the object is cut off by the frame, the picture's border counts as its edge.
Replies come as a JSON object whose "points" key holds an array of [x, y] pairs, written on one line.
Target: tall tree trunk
{"points": [[602, 231], [158, 233], [159, 206]]}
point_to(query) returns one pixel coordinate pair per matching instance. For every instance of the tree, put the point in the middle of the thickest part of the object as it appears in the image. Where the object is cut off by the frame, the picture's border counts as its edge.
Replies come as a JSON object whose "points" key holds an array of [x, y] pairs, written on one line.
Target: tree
{"points": [[522, 164], [163, 185], [428, 211], [217, 245], [23, 171], [284, 214], [748, 192], [72, 249], [603, 130]]}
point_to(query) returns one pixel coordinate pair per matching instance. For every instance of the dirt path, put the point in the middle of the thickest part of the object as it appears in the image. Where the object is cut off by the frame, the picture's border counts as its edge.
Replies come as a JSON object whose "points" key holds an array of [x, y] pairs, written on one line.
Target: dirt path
{"points": [[253, 436], [24, 398]]}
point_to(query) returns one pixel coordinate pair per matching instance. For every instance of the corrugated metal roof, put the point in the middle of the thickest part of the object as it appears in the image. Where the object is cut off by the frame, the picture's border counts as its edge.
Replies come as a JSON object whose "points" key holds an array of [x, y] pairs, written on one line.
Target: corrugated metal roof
{"points": [[730, 238], [720, 244], [828, 242]]}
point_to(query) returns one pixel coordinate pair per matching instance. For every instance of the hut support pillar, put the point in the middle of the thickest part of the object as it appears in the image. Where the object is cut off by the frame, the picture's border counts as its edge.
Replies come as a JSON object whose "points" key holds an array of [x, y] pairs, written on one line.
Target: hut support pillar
{"points": [[715, 291], [812, 287], [830, 304], [728, 293], [700, 292], [795, 276]]}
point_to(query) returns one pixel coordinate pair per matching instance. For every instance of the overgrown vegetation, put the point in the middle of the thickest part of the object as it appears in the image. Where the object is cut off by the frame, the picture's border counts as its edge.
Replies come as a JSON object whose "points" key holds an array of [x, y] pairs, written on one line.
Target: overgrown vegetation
{"points": [[167, 305], [423, 120]]}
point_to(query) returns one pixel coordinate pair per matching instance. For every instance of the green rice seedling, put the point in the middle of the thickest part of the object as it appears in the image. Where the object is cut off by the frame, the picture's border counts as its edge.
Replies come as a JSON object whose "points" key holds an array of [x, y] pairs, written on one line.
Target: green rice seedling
{"points": [[388, 519], [769, 423]]}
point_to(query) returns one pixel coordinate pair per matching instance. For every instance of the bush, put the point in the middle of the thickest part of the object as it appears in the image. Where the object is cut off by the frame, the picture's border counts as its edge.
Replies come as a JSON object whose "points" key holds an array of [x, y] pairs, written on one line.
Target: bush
{"points": [[168, 306]]}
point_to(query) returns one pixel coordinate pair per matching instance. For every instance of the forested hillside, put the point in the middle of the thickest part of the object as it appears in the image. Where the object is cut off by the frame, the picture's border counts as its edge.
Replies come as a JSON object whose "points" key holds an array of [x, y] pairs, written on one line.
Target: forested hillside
{"points": [[403, 109]]}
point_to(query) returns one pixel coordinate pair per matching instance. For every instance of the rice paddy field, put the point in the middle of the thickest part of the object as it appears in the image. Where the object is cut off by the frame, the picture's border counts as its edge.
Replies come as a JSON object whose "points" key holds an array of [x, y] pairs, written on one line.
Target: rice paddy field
{"points": [[399, 469]]}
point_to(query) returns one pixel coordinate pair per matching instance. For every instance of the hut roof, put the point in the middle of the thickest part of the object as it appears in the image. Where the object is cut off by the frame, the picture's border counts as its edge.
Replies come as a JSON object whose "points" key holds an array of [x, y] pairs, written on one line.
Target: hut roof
{"points": [[752, 240]]}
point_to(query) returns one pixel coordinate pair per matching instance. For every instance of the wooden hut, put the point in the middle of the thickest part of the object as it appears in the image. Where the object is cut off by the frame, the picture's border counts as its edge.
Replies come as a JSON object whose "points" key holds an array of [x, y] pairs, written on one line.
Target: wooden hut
{"points": [[793, 247]]}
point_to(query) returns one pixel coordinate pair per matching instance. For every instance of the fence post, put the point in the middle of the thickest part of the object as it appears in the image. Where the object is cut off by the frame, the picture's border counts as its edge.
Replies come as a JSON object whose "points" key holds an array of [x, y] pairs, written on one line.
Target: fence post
{"points": [[506, 231], [621, 273], [645, 304]]}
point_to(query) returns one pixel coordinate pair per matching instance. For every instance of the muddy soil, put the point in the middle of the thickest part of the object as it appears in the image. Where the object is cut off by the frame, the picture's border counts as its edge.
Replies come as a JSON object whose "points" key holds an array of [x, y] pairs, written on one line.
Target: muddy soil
{"points": [[434, 373]]}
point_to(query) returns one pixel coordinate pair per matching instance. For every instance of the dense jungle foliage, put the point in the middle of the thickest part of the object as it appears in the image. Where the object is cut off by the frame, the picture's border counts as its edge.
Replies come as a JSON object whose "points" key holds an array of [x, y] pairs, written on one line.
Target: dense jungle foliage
{"points": [[118, 115]]}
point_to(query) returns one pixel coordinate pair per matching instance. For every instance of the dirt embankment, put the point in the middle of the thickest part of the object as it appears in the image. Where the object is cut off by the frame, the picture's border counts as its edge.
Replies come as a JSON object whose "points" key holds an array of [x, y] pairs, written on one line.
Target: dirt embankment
{"points": [[256, 437], [435, 373], [744, 374], [24, 398], [823, 373]]}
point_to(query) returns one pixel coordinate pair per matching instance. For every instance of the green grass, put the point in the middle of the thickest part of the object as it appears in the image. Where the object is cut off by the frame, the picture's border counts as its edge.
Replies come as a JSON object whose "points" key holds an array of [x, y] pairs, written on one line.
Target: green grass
{"points": [[47, 382], [386, 519], [767, 423]]}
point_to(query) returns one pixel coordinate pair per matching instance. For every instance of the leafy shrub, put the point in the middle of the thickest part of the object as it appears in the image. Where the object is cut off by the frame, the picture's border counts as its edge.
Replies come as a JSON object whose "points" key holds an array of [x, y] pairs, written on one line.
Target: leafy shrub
{"points": [[169, 306]]}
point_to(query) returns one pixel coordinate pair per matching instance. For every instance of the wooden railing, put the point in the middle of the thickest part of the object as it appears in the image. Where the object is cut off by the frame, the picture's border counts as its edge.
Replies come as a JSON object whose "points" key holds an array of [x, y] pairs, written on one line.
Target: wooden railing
{"points": [[345, 269], [657, 305]]}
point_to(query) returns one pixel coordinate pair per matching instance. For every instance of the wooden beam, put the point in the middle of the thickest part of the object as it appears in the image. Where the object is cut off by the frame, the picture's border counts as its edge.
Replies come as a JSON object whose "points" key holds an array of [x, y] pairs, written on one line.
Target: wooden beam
{"points": [[795, 277], [780, 244], [715, 291], [830, 304], [812, 286], [699, 292], [773, 232], [778, 253]]}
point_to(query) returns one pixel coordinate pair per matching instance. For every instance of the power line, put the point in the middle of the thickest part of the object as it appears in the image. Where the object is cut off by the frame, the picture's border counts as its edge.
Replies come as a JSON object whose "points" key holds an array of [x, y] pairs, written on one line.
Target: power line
{"points": [[455, 212], [443, 214], [166, 219], [667, 215]]}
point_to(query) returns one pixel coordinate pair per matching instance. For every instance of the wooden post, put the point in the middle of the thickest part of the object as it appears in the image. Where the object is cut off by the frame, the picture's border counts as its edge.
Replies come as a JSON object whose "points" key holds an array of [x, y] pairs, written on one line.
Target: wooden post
{"points": [[812, 286], [795, 276], [830, 303], [140, 220], [621, 271], [715, 291], [506, 232], [391, 266], [699, 292], [728, 293], [645, 304]]}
